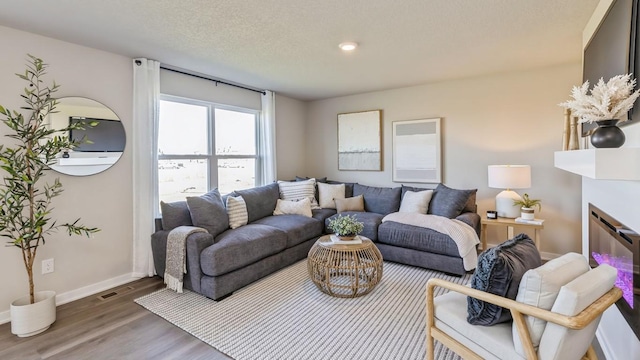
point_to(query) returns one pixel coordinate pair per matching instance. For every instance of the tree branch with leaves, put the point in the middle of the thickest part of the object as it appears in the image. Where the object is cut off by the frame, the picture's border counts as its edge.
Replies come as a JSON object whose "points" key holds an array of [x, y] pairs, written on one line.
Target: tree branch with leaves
{"points": [[25, 196]]}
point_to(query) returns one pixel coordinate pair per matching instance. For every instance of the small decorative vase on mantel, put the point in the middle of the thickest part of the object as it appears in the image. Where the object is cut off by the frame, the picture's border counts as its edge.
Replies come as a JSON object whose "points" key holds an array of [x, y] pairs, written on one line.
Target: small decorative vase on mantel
{"points": [[607, 134]]}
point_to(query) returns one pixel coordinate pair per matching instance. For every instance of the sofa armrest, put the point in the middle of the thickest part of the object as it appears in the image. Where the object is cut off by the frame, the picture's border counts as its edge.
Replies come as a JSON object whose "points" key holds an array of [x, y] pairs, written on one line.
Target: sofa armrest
{"points": [[472, 219], [196, 242], [158, 224]]}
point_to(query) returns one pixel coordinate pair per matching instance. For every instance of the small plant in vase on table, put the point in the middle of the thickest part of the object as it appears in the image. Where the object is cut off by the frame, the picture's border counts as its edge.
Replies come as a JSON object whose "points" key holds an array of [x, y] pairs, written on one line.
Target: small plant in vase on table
{"points": [[346, 227], [527, 207]]}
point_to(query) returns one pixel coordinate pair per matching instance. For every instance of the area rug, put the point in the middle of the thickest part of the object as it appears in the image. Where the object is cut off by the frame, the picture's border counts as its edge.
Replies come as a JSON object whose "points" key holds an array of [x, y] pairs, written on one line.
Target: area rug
{"points": [[284, 316]]}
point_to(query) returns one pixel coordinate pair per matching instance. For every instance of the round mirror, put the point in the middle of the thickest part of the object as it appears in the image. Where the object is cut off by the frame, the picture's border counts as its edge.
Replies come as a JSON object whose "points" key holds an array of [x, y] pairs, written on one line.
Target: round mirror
{"points": [[106, 139]]}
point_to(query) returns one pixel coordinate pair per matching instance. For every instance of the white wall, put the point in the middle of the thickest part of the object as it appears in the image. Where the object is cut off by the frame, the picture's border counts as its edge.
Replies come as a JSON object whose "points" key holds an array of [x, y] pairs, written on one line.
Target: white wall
{"points": [[501, 119], [102, 200]]}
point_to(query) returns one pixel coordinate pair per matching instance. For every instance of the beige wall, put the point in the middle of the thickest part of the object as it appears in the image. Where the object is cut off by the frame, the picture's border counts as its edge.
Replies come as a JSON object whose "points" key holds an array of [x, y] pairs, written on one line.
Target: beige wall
{"points": [[290, 137], [83, 266], [500, 119], [103, 200]]}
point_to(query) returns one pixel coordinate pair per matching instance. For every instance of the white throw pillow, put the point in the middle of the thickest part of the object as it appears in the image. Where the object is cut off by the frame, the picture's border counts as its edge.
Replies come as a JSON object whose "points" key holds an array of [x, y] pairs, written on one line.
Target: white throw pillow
{"points": [[416, 202], [328, 193], [285, 207], [298, 190], [539, 287], [237, 211]]}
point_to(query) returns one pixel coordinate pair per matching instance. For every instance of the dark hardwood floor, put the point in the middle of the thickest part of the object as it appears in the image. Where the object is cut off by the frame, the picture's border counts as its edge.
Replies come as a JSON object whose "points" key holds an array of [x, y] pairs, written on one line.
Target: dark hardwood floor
{"points": [[110, 328]]}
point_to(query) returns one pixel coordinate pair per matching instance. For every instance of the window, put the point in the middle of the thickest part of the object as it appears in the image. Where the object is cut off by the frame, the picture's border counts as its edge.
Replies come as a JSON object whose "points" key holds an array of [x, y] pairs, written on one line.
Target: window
{"points": [[202, 146]]}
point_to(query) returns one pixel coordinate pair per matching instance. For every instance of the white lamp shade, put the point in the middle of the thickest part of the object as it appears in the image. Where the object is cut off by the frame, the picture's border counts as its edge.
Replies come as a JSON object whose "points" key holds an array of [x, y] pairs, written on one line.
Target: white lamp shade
{"points": [[509, 176]]}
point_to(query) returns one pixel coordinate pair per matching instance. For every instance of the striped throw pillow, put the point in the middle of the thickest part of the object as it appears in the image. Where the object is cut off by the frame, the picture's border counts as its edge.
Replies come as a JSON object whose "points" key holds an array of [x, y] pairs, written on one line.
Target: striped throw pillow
{"points": [[237, 211], [298, 190]]}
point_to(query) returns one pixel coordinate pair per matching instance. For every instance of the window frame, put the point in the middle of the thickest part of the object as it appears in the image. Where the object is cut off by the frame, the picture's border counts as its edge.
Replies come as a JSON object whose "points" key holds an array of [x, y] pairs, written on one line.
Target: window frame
{"points": [[212, 157]]}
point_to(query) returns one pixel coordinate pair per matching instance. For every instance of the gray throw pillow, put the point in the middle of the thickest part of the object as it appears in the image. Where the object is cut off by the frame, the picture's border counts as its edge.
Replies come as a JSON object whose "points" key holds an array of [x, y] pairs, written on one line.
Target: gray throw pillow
{"points": [[175, 214], [261, 200], [208, 212], [450, 202], [379, 200], [499, 272]]}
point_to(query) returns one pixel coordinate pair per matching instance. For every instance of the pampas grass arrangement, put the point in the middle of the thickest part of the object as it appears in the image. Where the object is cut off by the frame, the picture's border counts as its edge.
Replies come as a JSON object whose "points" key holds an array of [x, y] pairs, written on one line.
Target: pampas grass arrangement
{"points": [[610, 100]]}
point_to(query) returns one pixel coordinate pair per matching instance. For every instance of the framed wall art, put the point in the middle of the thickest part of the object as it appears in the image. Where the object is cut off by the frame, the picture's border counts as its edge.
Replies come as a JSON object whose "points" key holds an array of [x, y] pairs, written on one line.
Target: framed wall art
{"points": [[360, 141], [416, 151]]}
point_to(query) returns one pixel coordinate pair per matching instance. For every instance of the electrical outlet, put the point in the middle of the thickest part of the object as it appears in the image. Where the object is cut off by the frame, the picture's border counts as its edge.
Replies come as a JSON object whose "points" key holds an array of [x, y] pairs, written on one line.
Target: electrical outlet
{"points": [[47, 266]]}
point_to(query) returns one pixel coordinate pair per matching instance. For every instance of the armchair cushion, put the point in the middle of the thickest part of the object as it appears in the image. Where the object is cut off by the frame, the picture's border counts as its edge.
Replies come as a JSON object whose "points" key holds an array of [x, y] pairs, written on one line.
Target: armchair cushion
{"points": [[559, 342], [493, 342], [540, 287], [499, 272]]}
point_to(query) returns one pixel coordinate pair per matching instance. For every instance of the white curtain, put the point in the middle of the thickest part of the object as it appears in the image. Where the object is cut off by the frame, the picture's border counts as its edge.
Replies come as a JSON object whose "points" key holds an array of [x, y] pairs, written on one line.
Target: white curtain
{"points": [[267, 139], [146, 94]]}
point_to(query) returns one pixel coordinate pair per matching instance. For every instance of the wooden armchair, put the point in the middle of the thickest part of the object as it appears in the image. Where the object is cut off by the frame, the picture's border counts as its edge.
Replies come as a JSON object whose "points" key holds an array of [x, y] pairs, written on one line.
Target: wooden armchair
{"points": [[568, 334]]}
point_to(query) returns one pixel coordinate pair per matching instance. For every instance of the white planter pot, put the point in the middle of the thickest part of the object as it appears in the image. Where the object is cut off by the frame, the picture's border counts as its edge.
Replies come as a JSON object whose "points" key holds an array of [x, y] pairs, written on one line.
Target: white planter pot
{"points": [[30, 319], [526, 213]]}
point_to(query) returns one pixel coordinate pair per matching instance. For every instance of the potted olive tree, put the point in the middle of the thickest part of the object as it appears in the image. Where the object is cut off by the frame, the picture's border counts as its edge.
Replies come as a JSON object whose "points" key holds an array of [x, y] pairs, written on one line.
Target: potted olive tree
{"points": [[25, 195]]}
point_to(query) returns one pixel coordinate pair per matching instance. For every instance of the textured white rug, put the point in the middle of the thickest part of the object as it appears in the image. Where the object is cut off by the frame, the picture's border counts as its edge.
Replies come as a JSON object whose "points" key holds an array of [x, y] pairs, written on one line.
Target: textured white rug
{"points": [[284, 316]]}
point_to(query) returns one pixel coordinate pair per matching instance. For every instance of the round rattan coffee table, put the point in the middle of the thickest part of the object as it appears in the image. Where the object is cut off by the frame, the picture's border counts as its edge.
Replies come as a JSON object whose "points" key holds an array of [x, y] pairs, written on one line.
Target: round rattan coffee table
{"points": [[345, 271]]}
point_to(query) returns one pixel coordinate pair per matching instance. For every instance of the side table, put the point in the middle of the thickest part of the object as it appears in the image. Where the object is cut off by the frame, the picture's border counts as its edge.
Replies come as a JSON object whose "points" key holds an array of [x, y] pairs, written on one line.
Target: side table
{"points": [[345, 271], [510, 224]]}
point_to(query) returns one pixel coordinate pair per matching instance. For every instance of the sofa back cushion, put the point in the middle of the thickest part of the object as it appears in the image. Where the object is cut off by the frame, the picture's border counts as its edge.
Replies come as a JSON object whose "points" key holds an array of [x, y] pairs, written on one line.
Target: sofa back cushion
{"points": [[260, 201], [175, 214], [450, 202], [379, 200], [208, 212]]}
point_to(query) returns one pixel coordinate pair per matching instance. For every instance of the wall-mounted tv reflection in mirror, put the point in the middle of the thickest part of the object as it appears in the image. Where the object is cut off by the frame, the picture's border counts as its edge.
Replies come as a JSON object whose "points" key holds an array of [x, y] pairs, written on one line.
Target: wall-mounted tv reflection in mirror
{"points": [[104, 135]]}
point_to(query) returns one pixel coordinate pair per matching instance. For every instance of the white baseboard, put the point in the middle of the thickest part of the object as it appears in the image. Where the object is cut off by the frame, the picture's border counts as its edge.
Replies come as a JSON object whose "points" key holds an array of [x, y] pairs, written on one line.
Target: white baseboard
{"points": [[85, 291], [604, 344]]}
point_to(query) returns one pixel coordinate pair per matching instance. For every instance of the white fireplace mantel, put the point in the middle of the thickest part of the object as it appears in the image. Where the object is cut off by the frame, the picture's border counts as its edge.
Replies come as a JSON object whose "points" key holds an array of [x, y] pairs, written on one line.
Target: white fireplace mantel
{"points": [[601, 164]]}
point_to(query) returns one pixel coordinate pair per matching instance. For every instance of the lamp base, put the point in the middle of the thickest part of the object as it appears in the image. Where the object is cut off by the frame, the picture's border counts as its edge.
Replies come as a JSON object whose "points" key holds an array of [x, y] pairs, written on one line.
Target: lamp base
{"points": [[504, 204]]}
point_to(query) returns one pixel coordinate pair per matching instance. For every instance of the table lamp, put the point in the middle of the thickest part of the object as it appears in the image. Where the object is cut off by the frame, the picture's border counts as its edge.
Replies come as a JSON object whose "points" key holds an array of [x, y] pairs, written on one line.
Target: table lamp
{"points": [[509, 177]]}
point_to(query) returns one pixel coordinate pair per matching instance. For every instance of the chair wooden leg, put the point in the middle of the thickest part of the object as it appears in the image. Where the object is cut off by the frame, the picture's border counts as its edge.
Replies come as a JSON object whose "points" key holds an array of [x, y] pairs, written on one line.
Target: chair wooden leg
{"points": [[591, 354], [430, 355]]}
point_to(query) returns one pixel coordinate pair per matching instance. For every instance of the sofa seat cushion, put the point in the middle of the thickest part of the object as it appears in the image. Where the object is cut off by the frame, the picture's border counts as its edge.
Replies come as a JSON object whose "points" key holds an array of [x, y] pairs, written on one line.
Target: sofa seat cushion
{"points": [[323, 214], [237, 248], [416, 238], [298, 228], [370, 220]]}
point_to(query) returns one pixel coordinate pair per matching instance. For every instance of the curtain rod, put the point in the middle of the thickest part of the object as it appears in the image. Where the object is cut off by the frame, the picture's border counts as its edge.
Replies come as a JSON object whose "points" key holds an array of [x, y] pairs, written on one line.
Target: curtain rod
{"points": [[214, 80]]}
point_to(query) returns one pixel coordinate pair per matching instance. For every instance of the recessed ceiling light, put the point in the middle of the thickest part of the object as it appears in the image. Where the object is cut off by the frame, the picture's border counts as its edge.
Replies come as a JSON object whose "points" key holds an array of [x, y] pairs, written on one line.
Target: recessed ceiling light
{"points": [[348, 46]]}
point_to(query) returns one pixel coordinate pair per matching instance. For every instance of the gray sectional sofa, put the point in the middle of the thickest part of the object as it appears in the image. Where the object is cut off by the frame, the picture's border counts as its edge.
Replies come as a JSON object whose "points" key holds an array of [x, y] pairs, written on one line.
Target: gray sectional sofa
{"points": [[225, 260]]}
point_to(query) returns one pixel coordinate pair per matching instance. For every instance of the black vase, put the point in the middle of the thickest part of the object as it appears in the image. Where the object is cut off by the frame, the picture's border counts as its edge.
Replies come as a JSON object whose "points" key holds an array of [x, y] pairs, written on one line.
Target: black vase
{"points": [[607, 135]]}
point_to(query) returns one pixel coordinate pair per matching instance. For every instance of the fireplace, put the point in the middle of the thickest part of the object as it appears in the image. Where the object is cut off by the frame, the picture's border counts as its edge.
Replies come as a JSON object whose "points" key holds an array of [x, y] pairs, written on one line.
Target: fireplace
{"points": [[612, 243]]}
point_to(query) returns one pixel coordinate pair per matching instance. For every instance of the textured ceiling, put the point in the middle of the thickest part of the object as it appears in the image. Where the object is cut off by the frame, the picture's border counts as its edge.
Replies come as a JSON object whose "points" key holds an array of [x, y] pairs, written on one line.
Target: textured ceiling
{"points": [[291, 46]]}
